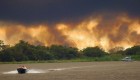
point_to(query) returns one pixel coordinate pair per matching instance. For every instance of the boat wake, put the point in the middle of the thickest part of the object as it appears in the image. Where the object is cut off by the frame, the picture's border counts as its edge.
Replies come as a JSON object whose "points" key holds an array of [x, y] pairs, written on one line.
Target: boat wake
{"points": [[11, 72], [32, 71], [29, 71]]}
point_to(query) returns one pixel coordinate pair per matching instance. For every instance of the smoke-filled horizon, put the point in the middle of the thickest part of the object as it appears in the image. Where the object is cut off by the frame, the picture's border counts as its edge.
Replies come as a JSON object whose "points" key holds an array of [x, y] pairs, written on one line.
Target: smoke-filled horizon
{"points": [[105, 31], [76, 23]]}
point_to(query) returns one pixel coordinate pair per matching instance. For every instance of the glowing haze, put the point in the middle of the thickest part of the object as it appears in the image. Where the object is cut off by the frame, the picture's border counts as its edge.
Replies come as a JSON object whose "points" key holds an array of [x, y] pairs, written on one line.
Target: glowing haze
{"points": [[76, 23], [117, 31]]}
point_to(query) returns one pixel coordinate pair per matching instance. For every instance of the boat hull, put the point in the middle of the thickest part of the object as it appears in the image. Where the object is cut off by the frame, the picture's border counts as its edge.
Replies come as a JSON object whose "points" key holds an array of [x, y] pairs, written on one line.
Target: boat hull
{"points": [[22, 71]]}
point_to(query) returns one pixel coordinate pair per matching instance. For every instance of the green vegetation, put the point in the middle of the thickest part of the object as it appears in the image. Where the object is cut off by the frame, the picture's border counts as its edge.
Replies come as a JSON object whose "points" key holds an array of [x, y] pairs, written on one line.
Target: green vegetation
{"points": [[25, 52]]}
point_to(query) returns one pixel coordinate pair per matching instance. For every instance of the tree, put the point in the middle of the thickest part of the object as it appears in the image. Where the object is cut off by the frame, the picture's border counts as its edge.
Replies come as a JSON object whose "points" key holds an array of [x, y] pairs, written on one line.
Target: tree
{"points": [[93, 52], [63, 52], [43, 55], [135, 50], [12, 54], [3, 46], [116, 49]]}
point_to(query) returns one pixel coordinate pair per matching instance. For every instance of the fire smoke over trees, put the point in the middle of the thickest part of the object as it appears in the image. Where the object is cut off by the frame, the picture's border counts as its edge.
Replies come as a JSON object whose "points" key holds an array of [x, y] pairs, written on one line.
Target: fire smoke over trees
{"points": [[76, 23], [106, 31]]}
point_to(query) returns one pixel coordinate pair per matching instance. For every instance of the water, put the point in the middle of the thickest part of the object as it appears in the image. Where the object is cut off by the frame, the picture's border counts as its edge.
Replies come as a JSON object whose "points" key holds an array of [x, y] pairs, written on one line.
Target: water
{"points": [[33, 71]]}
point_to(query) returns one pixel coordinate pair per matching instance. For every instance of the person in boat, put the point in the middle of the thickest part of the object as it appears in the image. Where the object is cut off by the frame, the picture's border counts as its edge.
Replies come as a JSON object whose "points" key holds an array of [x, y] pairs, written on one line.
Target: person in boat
{"points": [[24, 67]]}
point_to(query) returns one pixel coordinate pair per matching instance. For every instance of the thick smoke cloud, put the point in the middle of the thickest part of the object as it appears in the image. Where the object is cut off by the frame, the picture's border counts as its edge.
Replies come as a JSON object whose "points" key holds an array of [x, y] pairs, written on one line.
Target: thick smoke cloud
{"points": [[77, 23], [102, 30], [51, 11]]}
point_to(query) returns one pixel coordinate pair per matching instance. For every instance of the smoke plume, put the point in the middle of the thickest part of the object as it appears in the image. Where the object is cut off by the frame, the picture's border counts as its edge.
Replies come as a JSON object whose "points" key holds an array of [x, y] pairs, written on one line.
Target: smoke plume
{"points": [[106, 31]]}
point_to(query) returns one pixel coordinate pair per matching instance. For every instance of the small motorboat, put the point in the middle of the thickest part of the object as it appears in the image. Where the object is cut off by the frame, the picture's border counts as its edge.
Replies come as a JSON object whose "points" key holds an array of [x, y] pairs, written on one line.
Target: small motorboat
{"points": [[128, 58], [22, 70]]}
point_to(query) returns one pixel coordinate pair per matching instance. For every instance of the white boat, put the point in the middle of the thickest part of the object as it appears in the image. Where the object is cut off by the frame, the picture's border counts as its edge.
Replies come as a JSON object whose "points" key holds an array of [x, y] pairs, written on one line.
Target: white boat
{"points": [[128, 58]]}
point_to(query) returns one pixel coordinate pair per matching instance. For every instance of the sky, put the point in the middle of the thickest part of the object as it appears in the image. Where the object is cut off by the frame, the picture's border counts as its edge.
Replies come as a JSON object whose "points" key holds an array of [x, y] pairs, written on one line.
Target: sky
{"points": [[78, 23], [30, 11]]}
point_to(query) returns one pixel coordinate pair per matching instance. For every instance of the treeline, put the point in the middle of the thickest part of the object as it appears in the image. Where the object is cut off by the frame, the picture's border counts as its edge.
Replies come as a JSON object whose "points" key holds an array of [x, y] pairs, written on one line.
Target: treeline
{"points": [[23, 51]]}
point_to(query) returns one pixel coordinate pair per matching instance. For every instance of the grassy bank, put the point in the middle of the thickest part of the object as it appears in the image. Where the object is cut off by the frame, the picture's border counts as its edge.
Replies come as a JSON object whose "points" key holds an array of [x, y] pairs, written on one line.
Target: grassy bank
{"points": [[136, 57]]}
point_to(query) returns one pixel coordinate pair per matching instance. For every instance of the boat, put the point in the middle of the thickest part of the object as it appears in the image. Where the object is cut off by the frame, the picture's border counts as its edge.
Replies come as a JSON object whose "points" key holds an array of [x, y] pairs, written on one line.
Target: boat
{"points": [[22, 70], [128, 58]]}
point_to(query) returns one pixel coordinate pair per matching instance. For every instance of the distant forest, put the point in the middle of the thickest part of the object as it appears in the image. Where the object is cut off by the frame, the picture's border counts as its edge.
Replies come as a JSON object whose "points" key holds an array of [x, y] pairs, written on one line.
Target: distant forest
{"points": [[23, 51]]}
